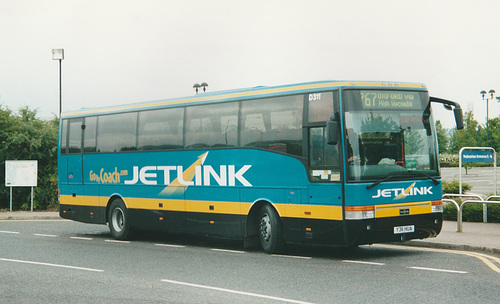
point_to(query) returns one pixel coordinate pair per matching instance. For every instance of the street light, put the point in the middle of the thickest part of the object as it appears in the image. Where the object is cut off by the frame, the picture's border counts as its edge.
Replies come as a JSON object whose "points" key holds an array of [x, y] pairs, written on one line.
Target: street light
{"points": [[58, 54], [197, 86], [483, 94]]}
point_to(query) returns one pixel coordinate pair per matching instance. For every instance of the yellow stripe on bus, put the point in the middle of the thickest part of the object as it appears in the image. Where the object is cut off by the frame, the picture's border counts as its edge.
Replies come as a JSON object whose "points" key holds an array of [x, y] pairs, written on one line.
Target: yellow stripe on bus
{"points": [[237, 208], [392, 210], [311, 211], [88, 201]]}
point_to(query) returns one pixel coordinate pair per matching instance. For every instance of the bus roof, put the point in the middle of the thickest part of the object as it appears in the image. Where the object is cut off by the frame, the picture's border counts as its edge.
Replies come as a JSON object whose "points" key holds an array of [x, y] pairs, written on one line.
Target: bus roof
{"points": [[240, 94]]}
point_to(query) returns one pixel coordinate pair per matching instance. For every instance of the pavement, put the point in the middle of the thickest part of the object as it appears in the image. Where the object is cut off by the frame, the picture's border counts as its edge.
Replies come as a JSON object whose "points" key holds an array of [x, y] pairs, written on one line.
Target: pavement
{"points": [[483, 237]]}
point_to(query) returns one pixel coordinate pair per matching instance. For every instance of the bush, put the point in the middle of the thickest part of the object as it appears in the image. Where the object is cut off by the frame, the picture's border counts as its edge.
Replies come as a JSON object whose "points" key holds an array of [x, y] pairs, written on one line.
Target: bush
{"points": [[450, 212], [453, 187], [25, 137], [471, 212], [493, 213]]}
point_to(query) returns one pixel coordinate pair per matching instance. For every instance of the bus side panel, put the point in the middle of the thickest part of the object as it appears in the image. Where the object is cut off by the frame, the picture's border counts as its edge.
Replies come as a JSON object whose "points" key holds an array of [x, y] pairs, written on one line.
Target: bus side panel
{"points": [[62, 169], [85, 214], [318, 217], [75, 169], [314, 231], [81, 203], [158, 220], [206, 216]]}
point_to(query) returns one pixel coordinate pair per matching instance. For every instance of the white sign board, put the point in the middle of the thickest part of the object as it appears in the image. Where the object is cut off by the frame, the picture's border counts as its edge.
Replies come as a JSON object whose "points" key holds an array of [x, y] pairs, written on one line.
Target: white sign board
{"points": [[21, 173]]}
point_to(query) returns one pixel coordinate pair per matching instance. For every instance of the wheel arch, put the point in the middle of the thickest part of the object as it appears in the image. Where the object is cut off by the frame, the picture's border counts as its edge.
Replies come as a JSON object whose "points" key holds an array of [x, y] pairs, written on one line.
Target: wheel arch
{"points": [[251, 225], [110, 200]]}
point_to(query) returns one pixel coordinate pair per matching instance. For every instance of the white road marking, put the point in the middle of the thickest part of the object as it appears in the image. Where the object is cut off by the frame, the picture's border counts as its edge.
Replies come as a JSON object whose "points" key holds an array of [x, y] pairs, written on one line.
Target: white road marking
{"points": [[291, 256], [117, 241], [440, 270], [45, 235], [169, 245], [487, 259], [10, 232], [363, 262], [227, 250], [250, 294], [81, 238], [51, 265]]}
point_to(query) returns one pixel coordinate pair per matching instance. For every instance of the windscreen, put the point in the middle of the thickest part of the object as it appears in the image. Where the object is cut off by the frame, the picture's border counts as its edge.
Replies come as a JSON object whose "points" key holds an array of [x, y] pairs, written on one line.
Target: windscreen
{"points": [[388, 132]]}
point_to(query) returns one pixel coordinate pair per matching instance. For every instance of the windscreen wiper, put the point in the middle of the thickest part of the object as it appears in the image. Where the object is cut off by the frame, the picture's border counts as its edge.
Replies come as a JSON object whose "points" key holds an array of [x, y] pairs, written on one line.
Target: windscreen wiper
{"points": [[381, 181], [434, 180]]}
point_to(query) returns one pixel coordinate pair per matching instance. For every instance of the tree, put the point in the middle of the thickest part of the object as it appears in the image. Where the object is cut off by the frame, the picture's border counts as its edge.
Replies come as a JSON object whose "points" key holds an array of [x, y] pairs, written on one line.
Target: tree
{"points": [[25, 137], [443, 138], [467, 137], [494, 138]]}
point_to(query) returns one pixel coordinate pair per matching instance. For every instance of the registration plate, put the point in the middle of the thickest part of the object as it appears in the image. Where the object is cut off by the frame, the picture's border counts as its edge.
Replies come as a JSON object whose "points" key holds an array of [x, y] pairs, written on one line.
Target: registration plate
{"points": [[404, 229]]}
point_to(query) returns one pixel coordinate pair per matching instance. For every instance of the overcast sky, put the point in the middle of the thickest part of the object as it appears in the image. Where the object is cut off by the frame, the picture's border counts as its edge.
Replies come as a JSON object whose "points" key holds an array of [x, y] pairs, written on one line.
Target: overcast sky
{"points": [[125, 51]]}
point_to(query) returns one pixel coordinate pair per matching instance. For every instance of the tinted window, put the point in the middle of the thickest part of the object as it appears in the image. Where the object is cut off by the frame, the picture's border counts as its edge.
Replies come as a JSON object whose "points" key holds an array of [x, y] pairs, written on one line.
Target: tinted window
{"points": [[273, 124], [117, 132], [161, 129], [64, 137], [75, 136], [320, 106], [89, 135], [212, 125]]}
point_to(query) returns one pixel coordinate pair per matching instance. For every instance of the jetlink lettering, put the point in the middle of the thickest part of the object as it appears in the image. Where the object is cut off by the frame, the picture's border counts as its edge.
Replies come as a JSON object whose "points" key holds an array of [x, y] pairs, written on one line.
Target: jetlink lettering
{"points": [[399, 193], [203, 175]]}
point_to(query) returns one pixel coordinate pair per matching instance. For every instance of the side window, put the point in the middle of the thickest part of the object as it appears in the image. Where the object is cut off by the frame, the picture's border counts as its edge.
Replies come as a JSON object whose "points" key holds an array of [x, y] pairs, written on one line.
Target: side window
{"points": [[64, 137], [212, 125], [75, 136], [273, 124], [117, 132], [161, 129], [89, 135], [320, 106]]}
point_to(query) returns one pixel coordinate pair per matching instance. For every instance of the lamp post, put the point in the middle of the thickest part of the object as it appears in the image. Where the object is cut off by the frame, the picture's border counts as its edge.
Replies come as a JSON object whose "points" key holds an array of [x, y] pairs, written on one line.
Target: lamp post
{"points": [[483, 94], [58, 54], [197, 86]]}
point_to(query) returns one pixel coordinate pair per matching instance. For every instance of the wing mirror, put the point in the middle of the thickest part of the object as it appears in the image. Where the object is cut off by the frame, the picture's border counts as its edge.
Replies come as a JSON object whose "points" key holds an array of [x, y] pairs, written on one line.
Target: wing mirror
{"points": [[332, 129]]}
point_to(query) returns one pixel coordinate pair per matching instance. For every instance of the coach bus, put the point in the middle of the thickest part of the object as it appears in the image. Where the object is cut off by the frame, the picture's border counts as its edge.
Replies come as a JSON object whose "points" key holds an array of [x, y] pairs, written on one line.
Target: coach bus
{"points": [[328, 163]]}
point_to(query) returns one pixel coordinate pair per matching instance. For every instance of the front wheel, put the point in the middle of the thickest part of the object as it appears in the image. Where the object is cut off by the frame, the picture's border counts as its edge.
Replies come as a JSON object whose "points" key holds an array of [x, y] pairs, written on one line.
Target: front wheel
{"points": [[118, 220], [270, 231]]}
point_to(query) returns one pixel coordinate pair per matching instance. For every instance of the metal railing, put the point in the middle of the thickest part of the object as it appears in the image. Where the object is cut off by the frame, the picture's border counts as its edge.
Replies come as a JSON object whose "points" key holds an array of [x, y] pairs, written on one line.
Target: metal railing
{"points": [[478, 200]]}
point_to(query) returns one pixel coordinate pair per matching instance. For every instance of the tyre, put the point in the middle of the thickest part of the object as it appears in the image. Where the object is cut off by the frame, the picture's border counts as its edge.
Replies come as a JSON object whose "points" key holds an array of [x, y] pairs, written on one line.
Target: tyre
{"points": [[118, 220], [270, 231]]}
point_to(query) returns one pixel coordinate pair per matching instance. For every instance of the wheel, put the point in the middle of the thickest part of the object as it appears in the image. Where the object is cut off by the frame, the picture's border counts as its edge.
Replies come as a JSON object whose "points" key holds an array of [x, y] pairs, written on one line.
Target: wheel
{"points": [[118, 220], [270, 232]]}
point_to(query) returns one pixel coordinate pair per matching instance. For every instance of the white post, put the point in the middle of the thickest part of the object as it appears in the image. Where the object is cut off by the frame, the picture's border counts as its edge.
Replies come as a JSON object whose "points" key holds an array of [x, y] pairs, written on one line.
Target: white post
{"points": [[31, 198], [460, 169]]}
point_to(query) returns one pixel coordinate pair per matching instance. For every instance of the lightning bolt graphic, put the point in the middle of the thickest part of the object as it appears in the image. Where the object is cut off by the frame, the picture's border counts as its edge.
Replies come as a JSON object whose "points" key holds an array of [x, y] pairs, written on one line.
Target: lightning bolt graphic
{"points": [[405, 193], [178, 186]]}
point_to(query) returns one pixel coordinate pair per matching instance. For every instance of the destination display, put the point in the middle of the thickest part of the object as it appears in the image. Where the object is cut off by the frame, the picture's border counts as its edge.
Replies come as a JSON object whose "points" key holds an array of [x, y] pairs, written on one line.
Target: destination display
{"points": [[388, 100]]}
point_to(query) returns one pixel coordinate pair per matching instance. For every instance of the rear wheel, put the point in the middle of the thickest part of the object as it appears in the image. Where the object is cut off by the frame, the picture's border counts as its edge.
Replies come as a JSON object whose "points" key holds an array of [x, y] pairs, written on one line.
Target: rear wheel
{"points": [[118, 220], [270, 232]]}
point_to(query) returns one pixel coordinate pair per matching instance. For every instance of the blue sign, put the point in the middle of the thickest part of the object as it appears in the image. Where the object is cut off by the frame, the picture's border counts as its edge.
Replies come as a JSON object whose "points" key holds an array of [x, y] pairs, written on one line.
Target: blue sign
{"points": [[477, 156]]}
